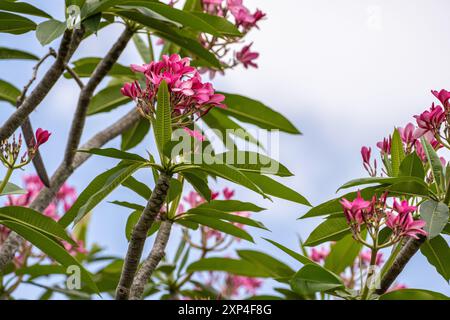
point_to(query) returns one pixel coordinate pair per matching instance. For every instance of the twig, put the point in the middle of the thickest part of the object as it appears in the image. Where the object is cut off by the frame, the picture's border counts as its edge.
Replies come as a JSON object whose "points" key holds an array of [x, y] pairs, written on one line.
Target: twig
{"points": [[74, 76], [139, 235], [152, 261], [70, 41]]}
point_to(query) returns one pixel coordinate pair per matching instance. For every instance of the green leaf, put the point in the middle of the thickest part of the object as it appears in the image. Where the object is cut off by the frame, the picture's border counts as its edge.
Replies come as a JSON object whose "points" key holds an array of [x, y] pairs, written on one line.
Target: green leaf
{"points": [[274, 267], [35, 220], [107, 100], [412, 166], [97, 190], [135, 135], [217, 214], [219, 225], [253, 162], [343, 254], [233, 266], [9, 54], [163, 125], [8, 92], [413, 294], [300, 258], [382, 180], [133, 218], [84, 67], [397, 152], [200, 185], [409, 188], [254, 112], [175, 189], [11, 188], [230, 206], [51, 248], [437, 253], [129, 205], [332, 229], [313, 278], [222, 25], [37, 270], [436, 215], [92, 24], [171, 34], [142, 48], [50, 30], [232, 174], [15, 24], [274, 188], [138, 187], [115, 154], [22, 7], [434, 161]]}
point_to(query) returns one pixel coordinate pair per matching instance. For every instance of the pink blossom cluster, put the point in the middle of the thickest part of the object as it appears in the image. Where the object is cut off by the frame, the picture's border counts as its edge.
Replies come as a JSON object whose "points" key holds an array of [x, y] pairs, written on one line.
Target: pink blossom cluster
{"points": [[232, 286], [189, 95], [64, 199], [375, 213]]}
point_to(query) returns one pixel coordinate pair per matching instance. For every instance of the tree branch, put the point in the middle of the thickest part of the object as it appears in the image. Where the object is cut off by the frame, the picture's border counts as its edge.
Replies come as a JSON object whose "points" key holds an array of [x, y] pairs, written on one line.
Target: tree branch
{"points": [[70, 41], [152, 261], [139, 235], [406, 253], [86, 93], [46, 195]]}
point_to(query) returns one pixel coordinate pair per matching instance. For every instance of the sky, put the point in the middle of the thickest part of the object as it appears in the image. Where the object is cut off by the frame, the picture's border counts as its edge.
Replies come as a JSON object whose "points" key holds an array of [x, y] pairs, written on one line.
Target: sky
{"points": [[344, 72]]}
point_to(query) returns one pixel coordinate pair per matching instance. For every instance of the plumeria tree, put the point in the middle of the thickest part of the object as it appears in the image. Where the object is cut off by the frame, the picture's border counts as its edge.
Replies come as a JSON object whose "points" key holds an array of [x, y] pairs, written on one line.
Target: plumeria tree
{"points": [[194, 135]]}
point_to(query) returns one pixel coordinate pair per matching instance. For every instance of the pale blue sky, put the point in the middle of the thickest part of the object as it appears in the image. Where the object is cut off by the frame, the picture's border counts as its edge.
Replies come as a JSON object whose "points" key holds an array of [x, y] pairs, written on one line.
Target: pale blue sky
{"points": [[345, 72]]}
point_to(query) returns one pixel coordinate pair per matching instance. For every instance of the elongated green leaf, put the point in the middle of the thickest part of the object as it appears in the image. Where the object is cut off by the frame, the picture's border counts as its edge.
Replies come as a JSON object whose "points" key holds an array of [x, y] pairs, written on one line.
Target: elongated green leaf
{"points": [[175, 190], [220, 24], [254, 112], [332, 229], [220, 225], [135, 135], [409, 188], [200, 185], [437, 253], [434, 161], [84, 67], [107, 100], [412, 166], [9, 54], [300, 258], [34, 219], [115, 153], [230, 206], [37, 270], [140, 188], [217, 214], [436, 215], [382, 180], [232, 174], [163, 126], [274, 188], [50, 30], [271, 265], [129, 205], [51, 248], [22, 7], [8, 92], [143, 49], [313, 278], [233, 266], [253, 162], [397, 152], [11, 188], [343, 254], [15, 24], [413, 294], [169, 33], [97, 190]]}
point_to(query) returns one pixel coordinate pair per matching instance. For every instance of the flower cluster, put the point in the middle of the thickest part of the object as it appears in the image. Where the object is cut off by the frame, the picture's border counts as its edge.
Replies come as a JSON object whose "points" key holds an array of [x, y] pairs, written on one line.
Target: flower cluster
{"points": [[190, 97], [64, 199], [375, 214], [232, 286], [10, 151], [245, 21]]}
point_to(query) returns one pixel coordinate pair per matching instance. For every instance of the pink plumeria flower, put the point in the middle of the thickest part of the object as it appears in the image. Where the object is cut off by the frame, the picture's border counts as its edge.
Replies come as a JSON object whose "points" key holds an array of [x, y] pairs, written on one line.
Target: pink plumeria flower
{"points": [[247, 57], [431, 120], [443, 96], [319, 255], [355, 209], [42, 137]]}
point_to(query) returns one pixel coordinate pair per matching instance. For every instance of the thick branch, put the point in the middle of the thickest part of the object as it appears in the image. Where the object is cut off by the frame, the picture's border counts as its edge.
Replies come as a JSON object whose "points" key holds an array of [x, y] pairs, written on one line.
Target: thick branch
{"points": [[87, 91], [402, 259], [139, 235], [68, 45], [46, 195], [154, 258]]}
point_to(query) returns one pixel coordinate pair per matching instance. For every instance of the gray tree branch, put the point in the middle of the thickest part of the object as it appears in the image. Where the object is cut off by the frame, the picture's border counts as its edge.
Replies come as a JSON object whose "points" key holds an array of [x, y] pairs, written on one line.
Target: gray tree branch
{"points": [[152, 261], [139, 235]]}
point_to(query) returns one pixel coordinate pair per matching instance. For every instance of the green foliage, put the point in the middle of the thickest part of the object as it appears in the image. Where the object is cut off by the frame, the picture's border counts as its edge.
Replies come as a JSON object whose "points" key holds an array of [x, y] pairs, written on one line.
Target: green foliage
{"points": [[436, 215], [50, 30]]}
